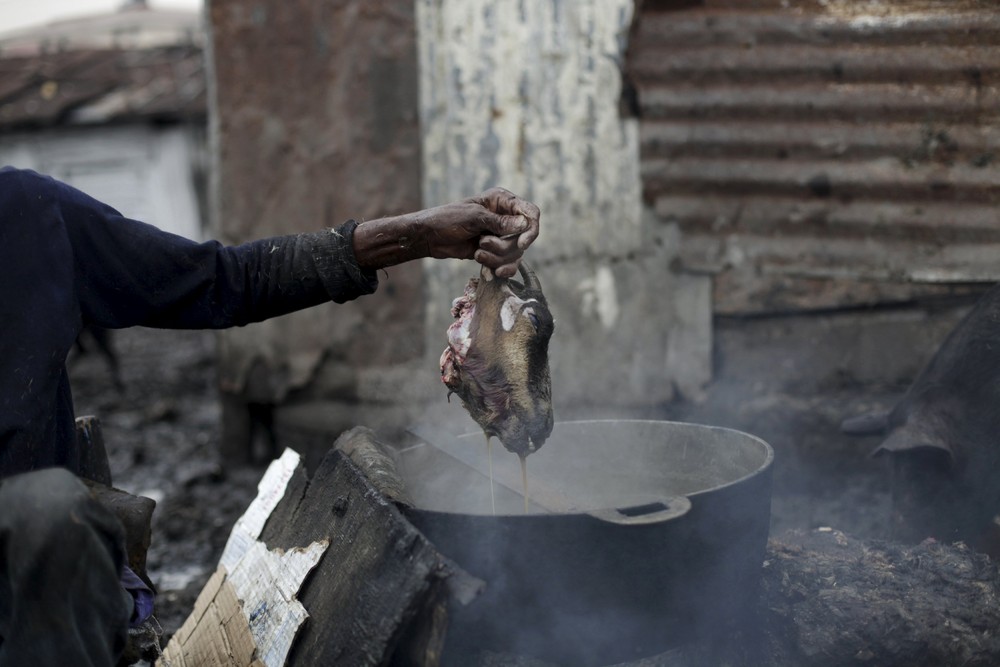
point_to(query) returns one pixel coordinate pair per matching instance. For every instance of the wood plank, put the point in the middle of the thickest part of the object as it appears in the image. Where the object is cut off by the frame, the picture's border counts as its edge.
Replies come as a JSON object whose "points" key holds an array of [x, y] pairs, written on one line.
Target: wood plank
{"points": [[378, 579]]}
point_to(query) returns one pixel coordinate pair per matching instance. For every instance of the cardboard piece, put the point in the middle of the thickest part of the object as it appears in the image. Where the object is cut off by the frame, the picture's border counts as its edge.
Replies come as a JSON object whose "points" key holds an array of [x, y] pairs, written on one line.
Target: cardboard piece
{"points": [[216, 634], [377, 592], [247, 614]]}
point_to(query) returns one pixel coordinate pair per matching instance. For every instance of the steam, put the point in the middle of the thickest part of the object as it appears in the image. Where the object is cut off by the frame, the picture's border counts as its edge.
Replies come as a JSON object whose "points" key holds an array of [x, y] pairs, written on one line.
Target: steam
{"points": [[611, 593]]}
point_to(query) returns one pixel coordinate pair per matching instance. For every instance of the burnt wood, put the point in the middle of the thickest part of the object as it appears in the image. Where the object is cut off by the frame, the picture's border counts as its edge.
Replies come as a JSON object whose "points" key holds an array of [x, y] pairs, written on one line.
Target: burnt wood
{"points": [[831, 599], [134, 512], [380, 593], [136, 515], [372, 456], [94, 463]]}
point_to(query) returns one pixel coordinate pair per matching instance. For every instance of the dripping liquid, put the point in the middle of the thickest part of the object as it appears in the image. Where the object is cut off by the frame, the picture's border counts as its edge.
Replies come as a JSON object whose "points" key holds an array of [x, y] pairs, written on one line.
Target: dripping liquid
{"points": [[524, 480], [489, 457], [524, 476]]}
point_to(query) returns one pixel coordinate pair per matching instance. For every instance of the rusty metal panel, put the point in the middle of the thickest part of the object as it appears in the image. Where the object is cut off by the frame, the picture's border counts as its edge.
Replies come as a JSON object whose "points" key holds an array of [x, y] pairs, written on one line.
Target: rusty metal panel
{"points": [[825, 153], [314, 115]]}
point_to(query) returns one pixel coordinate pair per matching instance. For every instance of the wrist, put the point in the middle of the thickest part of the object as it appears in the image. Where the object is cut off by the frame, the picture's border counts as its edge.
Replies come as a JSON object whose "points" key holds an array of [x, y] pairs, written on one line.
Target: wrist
{"points": [[332, 252], [389, 241]]}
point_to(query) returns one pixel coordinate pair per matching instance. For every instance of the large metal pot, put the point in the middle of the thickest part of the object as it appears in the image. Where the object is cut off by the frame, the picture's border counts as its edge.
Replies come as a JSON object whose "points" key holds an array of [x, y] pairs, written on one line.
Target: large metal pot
{"points": [[658, 539]]}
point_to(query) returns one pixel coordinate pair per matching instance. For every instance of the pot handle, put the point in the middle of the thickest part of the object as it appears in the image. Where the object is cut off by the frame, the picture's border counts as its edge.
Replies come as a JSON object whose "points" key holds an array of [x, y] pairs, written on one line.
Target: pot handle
{"points": [[664, 509]]}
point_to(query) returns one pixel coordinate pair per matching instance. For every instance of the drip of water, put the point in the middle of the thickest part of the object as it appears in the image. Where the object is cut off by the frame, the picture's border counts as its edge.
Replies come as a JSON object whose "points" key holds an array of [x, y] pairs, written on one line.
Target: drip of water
{"points": [[489, 456], [524, 481]]}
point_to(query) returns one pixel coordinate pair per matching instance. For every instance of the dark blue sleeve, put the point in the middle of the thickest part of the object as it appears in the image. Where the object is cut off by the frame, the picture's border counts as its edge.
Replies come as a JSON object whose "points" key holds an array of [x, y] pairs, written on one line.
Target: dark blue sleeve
{"points": [[130, 273]]}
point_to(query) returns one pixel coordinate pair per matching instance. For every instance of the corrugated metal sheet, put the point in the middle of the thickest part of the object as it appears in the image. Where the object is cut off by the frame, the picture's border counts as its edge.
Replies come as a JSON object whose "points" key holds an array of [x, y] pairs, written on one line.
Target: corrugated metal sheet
{"points": [[76, 87], [827, 153]]}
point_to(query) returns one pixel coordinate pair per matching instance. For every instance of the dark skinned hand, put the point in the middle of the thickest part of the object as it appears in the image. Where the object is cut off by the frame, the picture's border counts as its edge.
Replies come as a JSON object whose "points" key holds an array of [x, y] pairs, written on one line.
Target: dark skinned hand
{"points": [[494, 228]]}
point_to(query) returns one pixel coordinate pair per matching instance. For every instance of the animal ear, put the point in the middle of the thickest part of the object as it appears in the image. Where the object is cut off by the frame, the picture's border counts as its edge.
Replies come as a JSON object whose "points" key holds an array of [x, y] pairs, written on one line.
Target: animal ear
{"points": [[909, 437], [873, 423]]}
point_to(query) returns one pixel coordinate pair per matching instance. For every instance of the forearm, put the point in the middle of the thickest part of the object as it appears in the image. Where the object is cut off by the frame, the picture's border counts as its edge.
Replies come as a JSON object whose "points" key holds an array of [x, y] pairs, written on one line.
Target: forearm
{"points": [[135, 274], [271, 277], [390, 241]]}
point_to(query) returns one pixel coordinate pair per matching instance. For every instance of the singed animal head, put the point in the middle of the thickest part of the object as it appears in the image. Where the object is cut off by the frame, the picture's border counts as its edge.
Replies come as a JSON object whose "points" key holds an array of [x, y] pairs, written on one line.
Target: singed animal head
{"points": [[504, 379]]}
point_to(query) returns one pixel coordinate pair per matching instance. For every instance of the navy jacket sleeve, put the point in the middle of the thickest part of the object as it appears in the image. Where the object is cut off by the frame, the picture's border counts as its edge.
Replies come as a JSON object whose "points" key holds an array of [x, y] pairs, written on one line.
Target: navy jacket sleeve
{"points": [[130, 273], [67, 260]]}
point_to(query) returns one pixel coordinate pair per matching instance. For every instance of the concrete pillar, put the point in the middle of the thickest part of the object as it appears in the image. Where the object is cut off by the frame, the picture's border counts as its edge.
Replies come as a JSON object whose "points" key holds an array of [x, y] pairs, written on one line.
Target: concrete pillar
{"points": [[526, 95]]}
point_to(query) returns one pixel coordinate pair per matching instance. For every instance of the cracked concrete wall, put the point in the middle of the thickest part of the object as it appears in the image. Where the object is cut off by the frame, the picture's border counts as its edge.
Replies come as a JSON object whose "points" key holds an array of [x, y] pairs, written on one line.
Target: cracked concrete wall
{"points": [[526, 95]]}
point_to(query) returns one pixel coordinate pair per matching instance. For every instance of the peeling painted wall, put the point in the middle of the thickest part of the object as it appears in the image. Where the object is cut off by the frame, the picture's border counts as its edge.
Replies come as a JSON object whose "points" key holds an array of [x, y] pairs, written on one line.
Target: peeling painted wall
{"points": [[526, 95]]}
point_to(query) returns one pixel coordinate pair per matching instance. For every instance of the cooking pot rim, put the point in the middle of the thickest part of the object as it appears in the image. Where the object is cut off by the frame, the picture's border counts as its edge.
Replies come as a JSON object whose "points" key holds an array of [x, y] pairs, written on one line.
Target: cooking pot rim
{"points": [[765, 464]]}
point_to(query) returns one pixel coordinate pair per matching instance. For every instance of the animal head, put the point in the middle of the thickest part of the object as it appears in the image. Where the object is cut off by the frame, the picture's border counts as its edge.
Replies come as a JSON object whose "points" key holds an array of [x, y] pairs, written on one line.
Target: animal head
{"points": [[504, 380]]}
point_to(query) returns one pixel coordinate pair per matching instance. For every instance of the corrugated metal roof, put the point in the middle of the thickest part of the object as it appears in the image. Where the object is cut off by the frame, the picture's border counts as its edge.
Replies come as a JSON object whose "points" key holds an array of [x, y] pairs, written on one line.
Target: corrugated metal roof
{"points": [[91, 86], [134, 25], [825, 153]]}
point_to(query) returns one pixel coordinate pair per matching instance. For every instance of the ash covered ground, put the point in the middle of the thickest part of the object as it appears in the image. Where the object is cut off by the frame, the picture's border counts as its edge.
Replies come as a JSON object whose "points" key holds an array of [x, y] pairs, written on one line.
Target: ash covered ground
{"points": [[162, 433]]}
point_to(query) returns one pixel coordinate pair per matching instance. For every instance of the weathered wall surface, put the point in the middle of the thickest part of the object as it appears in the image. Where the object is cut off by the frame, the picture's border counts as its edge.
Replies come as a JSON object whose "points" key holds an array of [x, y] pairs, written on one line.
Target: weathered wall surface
{"points": [[314, 121], [526, 95], [787, 158]]}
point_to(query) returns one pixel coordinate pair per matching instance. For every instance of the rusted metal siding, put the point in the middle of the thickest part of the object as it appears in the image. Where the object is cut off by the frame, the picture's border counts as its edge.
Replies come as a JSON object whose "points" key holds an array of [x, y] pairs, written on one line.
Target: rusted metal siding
{"points": [[823, 154]]}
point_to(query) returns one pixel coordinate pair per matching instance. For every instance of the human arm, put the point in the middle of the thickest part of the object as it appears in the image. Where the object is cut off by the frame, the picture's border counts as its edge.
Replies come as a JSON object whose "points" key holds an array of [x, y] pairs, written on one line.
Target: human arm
{"points": [[494, 228], [128, 273]]}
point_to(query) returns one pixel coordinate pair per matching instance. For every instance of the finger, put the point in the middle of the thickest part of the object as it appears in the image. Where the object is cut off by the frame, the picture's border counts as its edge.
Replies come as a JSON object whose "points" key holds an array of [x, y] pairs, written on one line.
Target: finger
{"points": [[532, 215], [495, 198], [505, 225], [528, 237], [499, 251], [506, 271], [500, 247], [503, 201], [527, 209], [503, 266]]}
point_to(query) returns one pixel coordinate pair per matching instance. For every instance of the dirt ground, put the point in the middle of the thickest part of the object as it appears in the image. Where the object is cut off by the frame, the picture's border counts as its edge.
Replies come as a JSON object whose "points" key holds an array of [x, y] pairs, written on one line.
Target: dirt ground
{"points": [[162, 434]]}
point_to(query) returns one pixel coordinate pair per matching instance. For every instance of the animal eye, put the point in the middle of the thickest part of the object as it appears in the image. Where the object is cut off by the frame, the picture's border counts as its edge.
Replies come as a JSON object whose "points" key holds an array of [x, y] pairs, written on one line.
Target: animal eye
{"points": [[533, 319]]}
